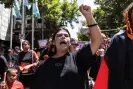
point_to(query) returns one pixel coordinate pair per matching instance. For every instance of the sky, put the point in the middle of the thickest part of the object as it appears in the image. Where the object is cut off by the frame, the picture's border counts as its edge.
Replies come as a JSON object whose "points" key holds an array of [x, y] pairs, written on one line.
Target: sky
{"points": [[87, 2], [77, 26]]}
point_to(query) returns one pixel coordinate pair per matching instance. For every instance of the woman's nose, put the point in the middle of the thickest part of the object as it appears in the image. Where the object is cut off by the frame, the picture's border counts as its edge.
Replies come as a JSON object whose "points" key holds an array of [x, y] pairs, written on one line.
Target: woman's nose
{"points": [[63, 36]]}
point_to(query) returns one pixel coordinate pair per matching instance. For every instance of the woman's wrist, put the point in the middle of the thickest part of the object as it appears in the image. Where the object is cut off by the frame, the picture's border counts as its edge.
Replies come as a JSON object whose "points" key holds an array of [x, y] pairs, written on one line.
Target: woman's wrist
{"points": [[90, 20], [92, 25], [34, 64]]}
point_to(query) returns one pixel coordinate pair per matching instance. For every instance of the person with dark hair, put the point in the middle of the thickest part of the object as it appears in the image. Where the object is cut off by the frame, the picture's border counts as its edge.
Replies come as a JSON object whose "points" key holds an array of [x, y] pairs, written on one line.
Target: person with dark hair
{"points": [[65, 69], [98, 57], [8, 56], [15, 53], [116, 71], [28, 61], [3, 64], [45, 51], [11, 81], [74, 45]]}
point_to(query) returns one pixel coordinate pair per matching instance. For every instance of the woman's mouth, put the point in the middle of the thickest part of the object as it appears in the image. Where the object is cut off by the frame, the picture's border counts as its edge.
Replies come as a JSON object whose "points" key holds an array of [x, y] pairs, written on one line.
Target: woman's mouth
{"points": [[63, 42]]}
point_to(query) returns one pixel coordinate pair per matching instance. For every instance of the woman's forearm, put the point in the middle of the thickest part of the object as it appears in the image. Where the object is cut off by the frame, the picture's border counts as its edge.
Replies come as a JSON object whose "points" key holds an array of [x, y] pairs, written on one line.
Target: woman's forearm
{"points": [[95, 34], [94, 29]]}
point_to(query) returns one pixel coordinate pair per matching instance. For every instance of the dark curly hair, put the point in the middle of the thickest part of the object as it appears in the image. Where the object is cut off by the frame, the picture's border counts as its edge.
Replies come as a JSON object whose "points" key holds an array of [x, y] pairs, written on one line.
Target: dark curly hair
{"points": [[128, 11]]}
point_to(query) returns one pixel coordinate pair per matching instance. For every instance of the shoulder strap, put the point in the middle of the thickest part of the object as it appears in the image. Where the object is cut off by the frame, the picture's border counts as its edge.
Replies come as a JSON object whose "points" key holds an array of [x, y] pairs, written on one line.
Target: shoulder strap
{"points": [[27, 55]]}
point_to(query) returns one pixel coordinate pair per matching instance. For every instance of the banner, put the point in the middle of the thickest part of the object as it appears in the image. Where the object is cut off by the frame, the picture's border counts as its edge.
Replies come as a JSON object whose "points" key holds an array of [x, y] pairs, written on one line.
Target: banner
{"points": [[82, 43], [4, 23], [42, 43], [35, 9], [16, 8]]}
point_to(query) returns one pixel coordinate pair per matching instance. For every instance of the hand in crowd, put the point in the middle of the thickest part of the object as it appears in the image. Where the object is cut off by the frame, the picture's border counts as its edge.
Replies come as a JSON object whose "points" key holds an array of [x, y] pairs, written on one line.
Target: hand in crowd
{"points": [[21, 68], [85, 10], [3, 85], [87, 13], [24, 68], [100, 52], [27, 67]]}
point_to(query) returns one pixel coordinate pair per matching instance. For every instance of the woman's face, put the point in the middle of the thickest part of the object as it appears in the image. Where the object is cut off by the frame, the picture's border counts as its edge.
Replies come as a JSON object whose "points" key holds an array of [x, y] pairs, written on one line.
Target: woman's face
{"points": [[74, 43], [26, 46], [17, 49], [62, 41], [12, 76]]}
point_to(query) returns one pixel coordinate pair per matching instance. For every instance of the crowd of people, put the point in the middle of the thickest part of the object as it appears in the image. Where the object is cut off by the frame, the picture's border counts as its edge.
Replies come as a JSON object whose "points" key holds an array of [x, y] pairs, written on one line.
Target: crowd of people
{"points": [[62, 65]]}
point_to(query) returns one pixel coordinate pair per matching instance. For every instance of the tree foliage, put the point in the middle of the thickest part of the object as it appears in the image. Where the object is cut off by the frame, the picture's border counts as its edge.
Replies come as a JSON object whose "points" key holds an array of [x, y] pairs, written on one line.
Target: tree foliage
{"points": [[109, 13], [7, 2], [82, 36], [57, 14]]}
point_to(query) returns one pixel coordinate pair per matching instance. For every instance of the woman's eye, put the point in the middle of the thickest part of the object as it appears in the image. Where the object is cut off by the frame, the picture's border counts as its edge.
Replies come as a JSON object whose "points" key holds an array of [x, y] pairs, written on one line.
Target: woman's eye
{"points": [[59, 35], [66, 35]]}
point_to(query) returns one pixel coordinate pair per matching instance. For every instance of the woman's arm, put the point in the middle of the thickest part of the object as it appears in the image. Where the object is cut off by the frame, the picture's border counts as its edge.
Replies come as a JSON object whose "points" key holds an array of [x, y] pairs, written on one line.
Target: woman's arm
{"points": [[94, 29], [35, 58]]}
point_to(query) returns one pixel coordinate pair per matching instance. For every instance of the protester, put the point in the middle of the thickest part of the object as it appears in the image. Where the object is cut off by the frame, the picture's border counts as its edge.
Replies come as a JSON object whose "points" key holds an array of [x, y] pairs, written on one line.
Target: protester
{"points": [[11, 81], [74, 45], [16, 51], [116, 71], [64, 69], [45, 51], [28, 61], [3, 64], [8, 56], [98, 57]]}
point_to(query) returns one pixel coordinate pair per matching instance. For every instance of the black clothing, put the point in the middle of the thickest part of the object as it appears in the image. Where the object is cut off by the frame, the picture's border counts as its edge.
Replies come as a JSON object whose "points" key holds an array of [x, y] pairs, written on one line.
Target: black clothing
{"points": [[44, 52], [95, 67], [26, 78], [8, 57], [21, 56], [119, 57], [3, 67], [66, 72]]}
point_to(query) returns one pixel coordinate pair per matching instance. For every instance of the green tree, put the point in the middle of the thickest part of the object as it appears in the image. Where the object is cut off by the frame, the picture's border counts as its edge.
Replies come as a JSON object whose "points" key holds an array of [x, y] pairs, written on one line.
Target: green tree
{"points": [[109, 13], [100, 17], [7, 2], [57, 14], [82, 37]]}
